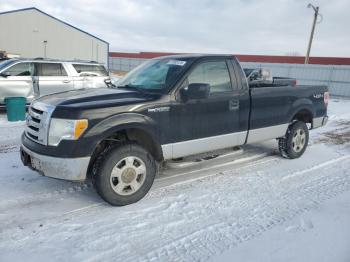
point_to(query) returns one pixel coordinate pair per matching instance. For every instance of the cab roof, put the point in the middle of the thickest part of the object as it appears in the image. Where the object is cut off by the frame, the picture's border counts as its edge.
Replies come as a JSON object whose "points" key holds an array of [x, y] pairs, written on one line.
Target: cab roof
{"points": [[196, 56]]}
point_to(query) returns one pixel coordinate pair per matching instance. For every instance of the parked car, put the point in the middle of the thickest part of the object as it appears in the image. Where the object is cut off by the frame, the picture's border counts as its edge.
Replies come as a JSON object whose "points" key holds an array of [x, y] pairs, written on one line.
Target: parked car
{"points": [[259, 77], [166, 108], [34, 78]]}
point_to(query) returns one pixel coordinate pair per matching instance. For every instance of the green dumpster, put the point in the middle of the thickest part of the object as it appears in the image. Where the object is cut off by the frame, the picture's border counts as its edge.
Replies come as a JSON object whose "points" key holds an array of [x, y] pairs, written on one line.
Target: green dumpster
{"points": [[15, 108]]}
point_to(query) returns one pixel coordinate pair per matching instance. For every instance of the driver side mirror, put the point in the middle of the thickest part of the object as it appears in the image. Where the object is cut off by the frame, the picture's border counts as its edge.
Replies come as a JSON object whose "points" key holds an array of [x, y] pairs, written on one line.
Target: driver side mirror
{"points": [[5, 74], [195, 91]]}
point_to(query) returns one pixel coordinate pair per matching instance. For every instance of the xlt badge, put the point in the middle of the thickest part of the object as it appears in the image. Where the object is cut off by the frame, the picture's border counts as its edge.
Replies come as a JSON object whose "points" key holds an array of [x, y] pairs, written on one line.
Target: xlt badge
{"points": [[317, 96], [159, 109]]}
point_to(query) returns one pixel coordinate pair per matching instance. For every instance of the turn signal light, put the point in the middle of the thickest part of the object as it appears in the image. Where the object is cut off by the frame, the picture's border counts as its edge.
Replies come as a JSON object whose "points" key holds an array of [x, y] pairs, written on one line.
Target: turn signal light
{"points": [[80, 127]]}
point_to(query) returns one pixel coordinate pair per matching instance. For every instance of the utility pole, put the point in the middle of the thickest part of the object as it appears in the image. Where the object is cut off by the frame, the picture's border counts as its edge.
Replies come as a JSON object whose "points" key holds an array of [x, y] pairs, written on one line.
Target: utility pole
{"points": [[316, 9]]}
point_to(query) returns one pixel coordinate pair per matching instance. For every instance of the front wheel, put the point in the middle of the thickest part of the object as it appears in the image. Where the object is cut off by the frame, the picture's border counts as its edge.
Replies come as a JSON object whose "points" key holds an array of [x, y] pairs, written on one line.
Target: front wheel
{"points": [[124, 174], [294, 144]]}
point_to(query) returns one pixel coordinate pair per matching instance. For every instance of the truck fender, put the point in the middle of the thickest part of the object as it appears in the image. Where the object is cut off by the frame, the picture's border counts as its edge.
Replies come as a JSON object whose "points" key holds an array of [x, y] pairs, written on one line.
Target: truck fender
{"points": [[113, 124], [299, 105]]}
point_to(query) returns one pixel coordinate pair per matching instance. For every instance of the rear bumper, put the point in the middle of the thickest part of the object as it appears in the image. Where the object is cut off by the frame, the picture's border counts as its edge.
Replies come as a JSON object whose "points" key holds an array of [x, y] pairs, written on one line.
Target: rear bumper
{"points": [[319, 121], [73, 169]]}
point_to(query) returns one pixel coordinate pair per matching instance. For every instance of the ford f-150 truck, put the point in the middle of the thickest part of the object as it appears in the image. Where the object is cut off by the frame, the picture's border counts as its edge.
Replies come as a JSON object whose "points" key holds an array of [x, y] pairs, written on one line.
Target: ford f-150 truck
{"points": [[166, 108]]}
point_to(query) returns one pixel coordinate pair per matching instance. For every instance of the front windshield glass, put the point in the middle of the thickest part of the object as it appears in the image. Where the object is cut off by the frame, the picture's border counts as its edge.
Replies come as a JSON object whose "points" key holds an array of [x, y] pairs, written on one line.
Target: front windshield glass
{"points": [[5, 63], [154, 75]]}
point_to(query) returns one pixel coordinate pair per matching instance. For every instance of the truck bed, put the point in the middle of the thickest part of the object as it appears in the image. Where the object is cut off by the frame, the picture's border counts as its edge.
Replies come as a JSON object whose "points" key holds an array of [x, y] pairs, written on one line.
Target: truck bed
{"points": [[276, 105]]}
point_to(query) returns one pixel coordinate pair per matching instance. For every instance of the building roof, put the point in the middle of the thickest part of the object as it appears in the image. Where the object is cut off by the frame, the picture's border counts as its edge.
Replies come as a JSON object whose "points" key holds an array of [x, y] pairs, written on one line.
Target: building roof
{"points": [[250, 58], [59, 20]]}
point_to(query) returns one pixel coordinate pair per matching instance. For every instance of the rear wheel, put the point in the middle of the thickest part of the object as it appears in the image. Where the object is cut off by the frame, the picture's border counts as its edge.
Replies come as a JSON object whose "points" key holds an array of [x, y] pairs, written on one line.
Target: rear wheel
{"points": [[294, 144], [124, 174]]}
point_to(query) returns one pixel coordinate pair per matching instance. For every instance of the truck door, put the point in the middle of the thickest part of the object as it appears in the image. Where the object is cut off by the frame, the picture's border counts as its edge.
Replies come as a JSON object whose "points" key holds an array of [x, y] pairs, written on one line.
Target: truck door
{"points": [[214, 122], [53, 78]]}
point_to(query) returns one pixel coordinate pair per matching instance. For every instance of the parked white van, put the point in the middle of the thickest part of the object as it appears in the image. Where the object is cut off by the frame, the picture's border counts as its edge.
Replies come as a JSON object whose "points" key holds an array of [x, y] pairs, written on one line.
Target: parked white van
{"points": [[33, 78]]}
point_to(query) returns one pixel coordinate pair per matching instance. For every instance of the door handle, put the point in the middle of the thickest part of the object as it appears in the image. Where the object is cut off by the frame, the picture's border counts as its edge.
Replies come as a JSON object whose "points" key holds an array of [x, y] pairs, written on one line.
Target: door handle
{"points": [[233, 104], [66, 81]]}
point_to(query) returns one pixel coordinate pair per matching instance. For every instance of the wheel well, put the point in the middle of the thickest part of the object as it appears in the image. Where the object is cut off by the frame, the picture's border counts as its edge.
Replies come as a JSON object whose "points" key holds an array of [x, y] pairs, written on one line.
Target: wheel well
{"points": [[140, 136], [304, 116], [146, 140]]}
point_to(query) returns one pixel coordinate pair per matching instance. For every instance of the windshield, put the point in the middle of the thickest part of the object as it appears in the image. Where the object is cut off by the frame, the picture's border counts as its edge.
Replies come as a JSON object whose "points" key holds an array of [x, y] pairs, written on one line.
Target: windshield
{"points": [[154, 75], [5, 63]]}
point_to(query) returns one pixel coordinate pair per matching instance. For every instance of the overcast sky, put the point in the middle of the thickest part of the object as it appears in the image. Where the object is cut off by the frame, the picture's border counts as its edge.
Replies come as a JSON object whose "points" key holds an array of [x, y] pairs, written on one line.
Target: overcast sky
{"points": [[273, 27]]}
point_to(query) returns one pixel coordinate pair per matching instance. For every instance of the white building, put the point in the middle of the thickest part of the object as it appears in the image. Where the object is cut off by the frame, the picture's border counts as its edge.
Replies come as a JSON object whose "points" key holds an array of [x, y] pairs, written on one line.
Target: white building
{"points": [[33, 33]]}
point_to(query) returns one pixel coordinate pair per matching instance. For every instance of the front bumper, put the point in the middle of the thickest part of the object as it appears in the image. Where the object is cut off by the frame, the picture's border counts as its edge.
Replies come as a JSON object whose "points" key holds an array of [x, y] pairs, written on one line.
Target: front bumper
{"points": [[73, 169], [319, 121]]}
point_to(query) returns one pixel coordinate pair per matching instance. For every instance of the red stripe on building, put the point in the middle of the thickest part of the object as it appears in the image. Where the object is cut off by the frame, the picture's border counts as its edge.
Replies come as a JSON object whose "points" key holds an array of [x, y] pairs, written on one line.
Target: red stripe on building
{"points": [[250, 58], [142, 55]]}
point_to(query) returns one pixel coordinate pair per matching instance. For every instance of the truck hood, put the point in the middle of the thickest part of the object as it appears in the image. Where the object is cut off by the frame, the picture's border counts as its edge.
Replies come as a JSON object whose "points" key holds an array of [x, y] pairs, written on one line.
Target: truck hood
{"points": [[96, 98]]}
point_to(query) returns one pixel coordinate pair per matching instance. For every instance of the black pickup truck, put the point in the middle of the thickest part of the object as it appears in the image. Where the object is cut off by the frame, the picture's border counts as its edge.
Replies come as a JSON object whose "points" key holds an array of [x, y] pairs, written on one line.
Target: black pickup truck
{"points": [[166, 108]]}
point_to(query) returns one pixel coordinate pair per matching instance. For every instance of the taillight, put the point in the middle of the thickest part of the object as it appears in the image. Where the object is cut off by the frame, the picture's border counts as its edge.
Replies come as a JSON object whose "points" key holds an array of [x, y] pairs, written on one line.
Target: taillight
{"points": [[326, 98]]}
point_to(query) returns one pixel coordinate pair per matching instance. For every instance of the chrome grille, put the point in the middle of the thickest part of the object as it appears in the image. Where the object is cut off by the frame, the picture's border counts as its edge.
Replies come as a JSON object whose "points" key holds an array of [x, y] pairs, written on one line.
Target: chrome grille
{"points": [[37, 122]]}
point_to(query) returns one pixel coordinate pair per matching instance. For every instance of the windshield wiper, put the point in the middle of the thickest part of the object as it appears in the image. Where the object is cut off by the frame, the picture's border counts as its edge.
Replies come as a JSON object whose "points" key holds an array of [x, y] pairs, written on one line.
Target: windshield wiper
{"points": [[131, 88], [127, 87]]}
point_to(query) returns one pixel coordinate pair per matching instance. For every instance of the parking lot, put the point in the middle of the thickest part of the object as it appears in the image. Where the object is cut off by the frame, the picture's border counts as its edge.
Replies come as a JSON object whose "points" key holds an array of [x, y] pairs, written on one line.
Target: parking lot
{"points": [[219, 209]]}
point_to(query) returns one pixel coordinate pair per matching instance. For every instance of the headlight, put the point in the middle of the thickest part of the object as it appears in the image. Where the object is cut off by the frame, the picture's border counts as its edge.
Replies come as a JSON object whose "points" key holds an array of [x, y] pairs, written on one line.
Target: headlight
{"points": [[66, 129]]}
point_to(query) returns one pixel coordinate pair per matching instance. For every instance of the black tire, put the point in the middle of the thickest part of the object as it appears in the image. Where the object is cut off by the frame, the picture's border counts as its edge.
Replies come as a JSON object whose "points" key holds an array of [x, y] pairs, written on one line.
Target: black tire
{"points": [[103, 178], [288, 147]]}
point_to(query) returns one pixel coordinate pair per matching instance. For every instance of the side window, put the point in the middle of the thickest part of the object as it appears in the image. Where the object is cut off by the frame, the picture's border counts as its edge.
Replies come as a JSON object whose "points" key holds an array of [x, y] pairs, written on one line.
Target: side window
{"points": [[97, 69], [21, 69], [51, 69], [213, 73]]}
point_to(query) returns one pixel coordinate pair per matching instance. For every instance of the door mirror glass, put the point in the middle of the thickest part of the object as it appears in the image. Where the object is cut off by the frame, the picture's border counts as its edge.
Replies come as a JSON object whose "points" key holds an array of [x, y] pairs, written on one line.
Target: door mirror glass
{"points": [[5, 74], [195, 91]]}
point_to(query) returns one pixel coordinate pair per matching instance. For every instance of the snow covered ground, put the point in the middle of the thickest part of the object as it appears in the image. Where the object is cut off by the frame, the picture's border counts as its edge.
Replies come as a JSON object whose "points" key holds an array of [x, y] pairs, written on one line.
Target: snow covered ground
{"points": [[251, 205]]}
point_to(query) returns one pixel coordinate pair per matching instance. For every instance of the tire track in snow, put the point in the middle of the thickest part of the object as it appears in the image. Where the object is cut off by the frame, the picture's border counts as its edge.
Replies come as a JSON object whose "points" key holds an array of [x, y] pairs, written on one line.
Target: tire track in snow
{"points": [[41, 196], [210, 239], [316, 167], [230, 236], [218, 233], [88, 186]]}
